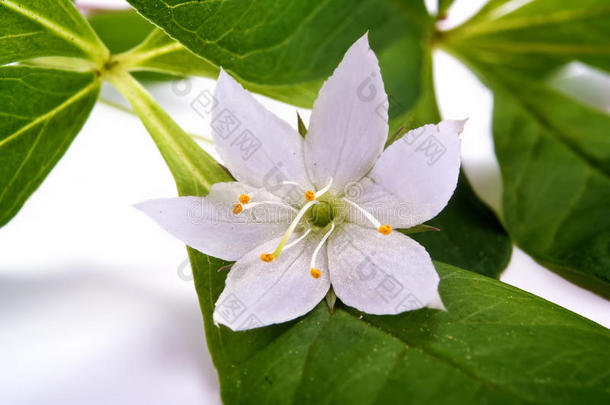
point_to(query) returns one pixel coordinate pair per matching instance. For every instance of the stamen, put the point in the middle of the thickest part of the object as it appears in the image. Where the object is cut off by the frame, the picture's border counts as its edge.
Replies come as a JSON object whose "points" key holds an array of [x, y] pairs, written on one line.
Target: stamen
{"points": [[310, 195], [296, 220], [244, 198], [292, 227], [383, 229], [316, 273], [266, 257], [237, 208]]}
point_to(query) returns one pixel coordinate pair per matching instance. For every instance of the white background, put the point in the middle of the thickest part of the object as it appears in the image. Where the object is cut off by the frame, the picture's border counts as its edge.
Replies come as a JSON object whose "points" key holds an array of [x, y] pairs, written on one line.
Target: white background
{"points": [[92, 309]]}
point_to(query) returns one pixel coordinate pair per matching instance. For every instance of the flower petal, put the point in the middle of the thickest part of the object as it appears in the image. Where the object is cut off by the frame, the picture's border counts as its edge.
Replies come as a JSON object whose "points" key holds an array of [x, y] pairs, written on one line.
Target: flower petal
{"points": [[258, 293], [349, 121], [257, 147], [414, 178], [209, 225], [381, 274]]}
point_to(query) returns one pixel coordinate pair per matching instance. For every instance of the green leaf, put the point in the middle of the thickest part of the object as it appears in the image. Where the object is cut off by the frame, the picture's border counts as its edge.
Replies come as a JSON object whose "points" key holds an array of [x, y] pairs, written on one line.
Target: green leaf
{"points": [[555, 159], [538, 36], [496, 344], [286, 50], [39, 28], [554, 152], [120, 30], [42, 110], [470, 236]]}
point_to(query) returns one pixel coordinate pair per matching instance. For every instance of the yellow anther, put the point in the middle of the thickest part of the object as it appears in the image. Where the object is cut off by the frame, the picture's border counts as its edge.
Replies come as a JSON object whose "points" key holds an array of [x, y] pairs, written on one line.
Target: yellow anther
{"points": [[244, 198], [237, 208], [385, 229], [267, 257], [310, 195], [315, 273]]}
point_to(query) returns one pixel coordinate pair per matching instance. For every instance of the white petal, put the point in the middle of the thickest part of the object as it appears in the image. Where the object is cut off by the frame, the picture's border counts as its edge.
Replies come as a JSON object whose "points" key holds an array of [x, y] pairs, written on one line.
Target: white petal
{"points": [[437, 303], [256, 146], [348, 125], [414, 178], [209, 225], [380, 274], [258, 293]]}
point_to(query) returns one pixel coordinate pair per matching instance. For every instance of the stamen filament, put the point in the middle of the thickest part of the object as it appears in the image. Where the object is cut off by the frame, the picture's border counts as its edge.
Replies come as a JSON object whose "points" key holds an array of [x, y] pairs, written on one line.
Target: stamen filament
{"points": [[324, 189], [383, 229], [292, 227], [279, 204], [300, 238], [364, 212], [292, 183], [316, 273]]}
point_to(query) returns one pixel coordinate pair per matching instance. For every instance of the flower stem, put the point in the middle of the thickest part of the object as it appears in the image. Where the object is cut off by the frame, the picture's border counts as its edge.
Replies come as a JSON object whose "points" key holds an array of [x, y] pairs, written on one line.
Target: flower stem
{"points": [[193, 169]]}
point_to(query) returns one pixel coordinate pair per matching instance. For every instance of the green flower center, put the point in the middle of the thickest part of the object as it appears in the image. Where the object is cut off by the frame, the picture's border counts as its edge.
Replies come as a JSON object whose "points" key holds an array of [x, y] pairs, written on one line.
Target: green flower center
{"points": [[320, 214]]}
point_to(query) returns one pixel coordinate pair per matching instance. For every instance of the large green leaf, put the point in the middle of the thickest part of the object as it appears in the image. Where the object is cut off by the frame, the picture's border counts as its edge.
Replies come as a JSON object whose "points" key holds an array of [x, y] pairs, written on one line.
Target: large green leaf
{"points": [[538, 36], [120, 30], [41, 112], [555, 159], [554, 153], [496, 344], [31, 29], [287, 49]]}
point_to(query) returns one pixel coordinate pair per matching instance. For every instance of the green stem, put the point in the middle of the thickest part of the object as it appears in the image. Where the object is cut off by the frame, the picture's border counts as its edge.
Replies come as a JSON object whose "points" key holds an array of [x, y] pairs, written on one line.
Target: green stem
{"points": [[136, 56], [193, 169]]}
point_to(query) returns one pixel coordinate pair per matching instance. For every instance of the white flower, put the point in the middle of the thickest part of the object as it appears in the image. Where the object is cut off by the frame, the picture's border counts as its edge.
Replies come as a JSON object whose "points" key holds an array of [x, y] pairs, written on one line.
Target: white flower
{"points": [[308, 213]]}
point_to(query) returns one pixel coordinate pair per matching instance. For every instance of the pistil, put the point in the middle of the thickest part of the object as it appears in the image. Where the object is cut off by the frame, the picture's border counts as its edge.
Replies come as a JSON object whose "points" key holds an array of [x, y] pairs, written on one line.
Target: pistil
{"points": [[291, 228], [295, 222]]}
